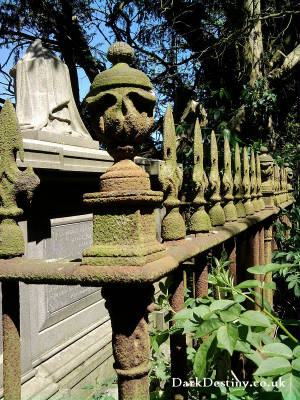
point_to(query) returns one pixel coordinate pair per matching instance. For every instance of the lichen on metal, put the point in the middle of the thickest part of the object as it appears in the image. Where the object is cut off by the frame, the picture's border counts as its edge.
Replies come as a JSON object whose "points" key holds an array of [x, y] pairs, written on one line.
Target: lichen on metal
{"points": [[267, 177], [247, 184], [238, 184], [121, 103], [216, 212], [289, 180], [170, 177], [276, 184], [200, 221], [229, 207], [283, 184], [253, 183], [12, 181], [260, 201]]}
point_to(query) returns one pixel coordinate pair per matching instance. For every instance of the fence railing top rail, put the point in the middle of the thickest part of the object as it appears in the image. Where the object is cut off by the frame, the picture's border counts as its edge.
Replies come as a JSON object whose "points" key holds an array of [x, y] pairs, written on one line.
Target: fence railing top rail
{"points": [[66, 272]]}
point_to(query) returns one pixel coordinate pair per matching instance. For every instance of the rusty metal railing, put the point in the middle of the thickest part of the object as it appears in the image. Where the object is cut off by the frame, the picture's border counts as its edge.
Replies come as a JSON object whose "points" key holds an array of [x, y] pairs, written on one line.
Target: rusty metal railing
{"points": [[126, 258]]}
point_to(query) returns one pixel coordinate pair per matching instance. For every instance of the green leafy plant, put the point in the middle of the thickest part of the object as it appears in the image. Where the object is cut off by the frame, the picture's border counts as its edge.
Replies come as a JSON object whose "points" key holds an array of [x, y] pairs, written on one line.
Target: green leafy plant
{"points": [[258, 99], [101, 389], [288, 241], [225, 328]]}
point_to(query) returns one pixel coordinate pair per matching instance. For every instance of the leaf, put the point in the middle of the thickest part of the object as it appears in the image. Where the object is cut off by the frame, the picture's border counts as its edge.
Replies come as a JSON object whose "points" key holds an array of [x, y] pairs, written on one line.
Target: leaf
{"points": [[249, 284], [254, 318], [291, 388], [204, 356], [201, 311], [242, 347], [88, 387], [296, 351], [227, 336], [162, 337], [186, 313], [264, 269], [270, 285], [231, 313], [277, 350], [220, 304], [273, 366], [208, 327], [255, 357], [265, 338], [189, 326], [296, 364]]}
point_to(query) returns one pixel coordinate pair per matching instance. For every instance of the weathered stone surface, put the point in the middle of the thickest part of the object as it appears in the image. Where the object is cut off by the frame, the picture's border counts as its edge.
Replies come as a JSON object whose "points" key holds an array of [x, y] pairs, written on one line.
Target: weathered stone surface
{"points": [[253, 183], [69, 236], [170, 177], [200, 221], [237, 184], [247, 185], [267, 177], [13, 181], [121, 103], [229, 207], [45, 104], [216, 212], [261, 203]]}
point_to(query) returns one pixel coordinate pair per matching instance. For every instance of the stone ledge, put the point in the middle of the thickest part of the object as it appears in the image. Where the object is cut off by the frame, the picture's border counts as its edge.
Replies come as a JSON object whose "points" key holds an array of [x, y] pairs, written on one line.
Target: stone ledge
{"points": [[63, 157], [71, 365]]}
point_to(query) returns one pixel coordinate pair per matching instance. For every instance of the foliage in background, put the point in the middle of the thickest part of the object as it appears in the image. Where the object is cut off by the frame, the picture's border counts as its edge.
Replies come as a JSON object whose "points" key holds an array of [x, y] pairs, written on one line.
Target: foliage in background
{"points": [[100, 390], [224, 328]]}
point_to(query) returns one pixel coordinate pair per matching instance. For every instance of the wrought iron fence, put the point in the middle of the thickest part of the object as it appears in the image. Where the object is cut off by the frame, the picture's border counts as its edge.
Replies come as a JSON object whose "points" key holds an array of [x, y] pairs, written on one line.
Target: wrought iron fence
{"points": [[234, 211]]}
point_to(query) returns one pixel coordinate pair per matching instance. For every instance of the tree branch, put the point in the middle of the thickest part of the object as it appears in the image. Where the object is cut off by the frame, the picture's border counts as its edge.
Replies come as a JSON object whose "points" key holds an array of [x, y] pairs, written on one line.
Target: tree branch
{"points": [[292, 59]]}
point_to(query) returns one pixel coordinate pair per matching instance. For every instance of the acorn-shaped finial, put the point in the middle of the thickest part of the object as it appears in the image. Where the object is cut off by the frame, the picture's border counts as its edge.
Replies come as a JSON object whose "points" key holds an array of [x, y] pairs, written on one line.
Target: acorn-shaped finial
{"points": [[120, 52]]}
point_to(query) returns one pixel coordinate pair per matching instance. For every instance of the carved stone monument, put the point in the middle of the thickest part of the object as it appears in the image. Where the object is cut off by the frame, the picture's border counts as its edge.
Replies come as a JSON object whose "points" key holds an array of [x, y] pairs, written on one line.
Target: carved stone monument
{"points": [[46, 108]]}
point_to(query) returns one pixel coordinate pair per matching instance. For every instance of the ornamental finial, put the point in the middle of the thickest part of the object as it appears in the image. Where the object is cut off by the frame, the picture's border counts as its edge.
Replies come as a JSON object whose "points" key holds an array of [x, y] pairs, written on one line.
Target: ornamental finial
{"points": [[229, 208], [12, 181], [253, 182], [216, 212], [238, 185], [199, 221], [170, 177], [258, 176], [246, 185]]}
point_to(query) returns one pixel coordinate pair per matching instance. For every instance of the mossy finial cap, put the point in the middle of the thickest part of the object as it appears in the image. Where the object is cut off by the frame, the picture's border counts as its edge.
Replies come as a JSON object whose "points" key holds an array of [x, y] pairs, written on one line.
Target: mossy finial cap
{"points": [[120, 54]]}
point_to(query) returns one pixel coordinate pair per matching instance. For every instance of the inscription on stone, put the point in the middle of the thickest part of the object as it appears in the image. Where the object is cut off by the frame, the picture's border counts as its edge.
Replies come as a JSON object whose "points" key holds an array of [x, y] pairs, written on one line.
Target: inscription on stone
{"points": [[69, 237], [59, 297]]}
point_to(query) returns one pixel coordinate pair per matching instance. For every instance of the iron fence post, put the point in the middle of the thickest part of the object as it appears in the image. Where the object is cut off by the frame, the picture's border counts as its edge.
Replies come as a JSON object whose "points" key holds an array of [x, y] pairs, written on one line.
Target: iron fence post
{"points": [[11, 341], [178, 341], [128, 310]]}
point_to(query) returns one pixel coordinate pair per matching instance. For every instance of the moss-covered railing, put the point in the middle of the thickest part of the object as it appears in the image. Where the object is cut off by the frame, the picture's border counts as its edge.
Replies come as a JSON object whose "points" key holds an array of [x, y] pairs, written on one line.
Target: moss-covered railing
{"points": [[126, 258]]}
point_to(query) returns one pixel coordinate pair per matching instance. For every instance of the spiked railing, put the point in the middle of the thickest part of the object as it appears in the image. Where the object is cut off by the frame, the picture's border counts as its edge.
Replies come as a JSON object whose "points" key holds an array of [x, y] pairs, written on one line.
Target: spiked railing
{"points": [[238, 184], [260, 201], [128, 262], [247, 184], [229, 207], [170, 177], [253, 184], [216, 211], [200, 221]]}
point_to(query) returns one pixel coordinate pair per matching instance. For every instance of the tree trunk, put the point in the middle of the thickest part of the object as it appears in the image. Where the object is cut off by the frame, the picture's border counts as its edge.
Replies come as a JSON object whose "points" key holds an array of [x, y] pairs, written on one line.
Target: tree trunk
{"points": [[254, 44]]}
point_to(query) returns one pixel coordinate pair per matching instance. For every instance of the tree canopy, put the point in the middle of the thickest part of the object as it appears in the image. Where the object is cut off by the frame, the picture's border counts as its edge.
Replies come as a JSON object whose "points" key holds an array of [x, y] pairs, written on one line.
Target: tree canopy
{"points": [[239, 59]]}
